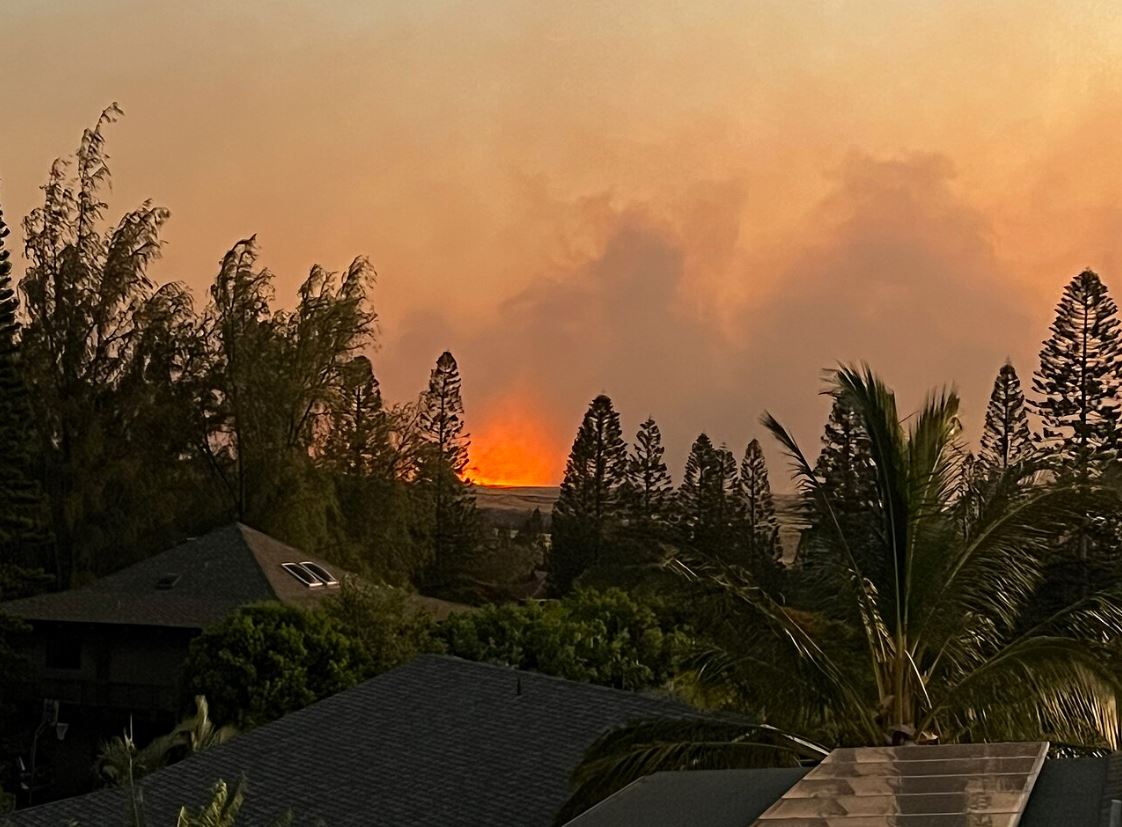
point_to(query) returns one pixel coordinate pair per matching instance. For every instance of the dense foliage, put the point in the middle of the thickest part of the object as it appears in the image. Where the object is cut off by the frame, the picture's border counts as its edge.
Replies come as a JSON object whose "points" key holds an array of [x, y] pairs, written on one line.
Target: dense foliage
{"points": [[151, 416], [928, 645], [387, 623], [265, 661], [608, 637], [23, 528]]}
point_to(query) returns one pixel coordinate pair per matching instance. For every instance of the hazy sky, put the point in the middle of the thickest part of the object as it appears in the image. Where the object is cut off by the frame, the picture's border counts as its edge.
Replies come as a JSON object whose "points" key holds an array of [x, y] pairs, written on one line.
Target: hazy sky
{"points": [[693, 207]]}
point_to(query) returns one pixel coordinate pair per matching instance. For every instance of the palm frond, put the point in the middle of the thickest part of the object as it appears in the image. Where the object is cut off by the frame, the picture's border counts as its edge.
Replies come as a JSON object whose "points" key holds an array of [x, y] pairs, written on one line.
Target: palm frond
{"points": [[1047, 688], [220, 811], [737, 585], [872, 622]]}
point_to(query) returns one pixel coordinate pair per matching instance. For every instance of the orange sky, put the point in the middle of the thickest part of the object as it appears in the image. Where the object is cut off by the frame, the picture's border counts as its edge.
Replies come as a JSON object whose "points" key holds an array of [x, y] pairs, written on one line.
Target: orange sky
{"points": [[693, 207]]}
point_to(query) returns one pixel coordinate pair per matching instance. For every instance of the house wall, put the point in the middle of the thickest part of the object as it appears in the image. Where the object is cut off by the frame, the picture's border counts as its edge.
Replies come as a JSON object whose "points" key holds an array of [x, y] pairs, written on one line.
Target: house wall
{"points": [[108, 679], [117, 667]]}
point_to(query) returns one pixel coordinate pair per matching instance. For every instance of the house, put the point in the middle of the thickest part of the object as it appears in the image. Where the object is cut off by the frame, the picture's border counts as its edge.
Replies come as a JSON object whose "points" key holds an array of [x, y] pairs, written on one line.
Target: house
{"points": [[439, 741], [925, 786], [118, 643], [106, 657]]}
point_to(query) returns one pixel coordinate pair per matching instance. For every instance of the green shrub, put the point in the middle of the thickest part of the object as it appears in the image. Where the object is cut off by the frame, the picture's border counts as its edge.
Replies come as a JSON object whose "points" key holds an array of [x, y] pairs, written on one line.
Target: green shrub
{"points": [[603, 637], [267, 660], [384, 621]]}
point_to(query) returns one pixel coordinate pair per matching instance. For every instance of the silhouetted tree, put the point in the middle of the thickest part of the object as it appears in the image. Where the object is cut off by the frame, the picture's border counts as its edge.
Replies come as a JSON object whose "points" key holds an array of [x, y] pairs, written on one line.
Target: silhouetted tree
{"points": [[757, 509], [1006, 439], [383, 517], [706, 499], [1077, 387], [848, 476], [272, 377], [845, 464], [92, 322], [1080, 377], [648, 486], [443, 460], [969, 491], [23, 527], [588, 506], [357, 439]]}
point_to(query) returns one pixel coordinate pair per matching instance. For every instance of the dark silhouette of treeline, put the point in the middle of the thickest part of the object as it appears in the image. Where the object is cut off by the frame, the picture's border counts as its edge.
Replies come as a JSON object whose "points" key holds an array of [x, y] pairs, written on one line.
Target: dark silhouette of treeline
{"points": [[133, 416]]}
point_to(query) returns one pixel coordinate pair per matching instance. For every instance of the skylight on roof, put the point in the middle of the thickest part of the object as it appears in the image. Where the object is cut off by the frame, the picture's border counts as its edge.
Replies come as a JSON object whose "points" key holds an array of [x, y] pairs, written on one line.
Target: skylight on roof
{"points": [[952, 784], [301, 573], [168, 581], [325, 577]]}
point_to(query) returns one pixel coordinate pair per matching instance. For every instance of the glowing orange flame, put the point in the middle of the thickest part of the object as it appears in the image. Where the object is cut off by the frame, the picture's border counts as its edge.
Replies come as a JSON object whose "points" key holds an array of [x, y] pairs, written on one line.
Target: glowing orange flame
{"points": [[514, 447]]}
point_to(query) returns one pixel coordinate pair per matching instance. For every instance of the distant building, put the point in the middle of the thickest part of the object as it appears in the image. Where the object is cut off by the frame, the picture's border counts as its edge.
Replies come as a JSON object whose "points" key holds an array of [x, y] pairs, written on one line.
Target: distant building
{"points": [[437, 742], [119, 642], [110, 653]]}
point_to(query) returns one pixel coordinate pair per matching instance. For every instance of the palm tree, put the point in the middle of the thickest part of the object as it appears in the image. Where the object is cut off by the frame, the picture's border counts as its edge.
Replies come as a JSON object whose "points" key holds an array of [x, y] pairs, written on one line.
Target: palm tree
{"points": [[120, 761], [933, 646]]}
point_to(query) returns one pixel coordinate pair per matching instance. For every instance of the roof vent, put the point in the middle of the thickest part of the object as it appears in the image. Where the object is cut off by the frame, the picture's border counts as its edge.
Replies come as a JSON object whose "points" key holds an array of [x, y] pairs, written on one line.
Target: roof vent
{"points": [[301, 573], [168, 581], [324, 576]]}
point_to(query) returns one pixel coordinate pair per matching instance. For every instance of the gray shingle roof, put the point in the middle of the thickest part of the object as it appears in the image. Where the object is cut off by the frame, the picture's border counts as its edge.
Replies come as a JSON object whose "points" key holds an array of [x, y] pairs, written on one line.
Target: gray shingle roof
{"points": [[440, 741], [1068, 793], [218, 572]]}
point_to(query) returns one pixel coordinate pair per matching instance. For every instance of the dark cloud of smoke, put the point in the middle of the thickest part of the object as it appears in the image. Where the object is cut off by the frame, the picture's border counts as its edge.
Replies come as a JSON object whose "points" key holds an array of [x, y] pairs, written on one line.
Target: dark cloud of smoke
{"points": [[896, 269]]}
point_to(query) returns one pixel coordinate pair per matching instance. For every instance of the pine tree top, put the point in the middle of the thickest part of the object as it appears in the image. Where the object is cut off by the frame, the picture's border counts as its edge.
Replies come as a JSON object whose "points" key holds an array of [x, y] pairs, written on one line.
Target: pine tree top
{"points": [[597, 464], [648, 485], [1079, 379], [845, 464], [442, 410], [1006, 439]]}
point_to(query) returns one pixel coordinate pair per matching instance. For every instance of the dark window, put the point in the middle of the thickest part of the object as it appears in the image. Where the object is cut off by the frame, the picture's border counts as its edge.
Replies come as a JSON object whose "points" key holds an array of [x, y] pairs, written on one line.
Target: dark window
{"points": [[64, 652], [168, 581]]}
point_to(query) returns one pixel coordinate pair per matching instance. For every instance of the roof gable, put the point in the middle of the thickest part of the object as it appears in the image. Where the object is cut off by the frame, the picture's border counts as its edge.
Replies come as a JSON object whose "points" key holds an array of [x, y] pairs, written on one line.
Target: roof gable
{"points": [[213, 575]]}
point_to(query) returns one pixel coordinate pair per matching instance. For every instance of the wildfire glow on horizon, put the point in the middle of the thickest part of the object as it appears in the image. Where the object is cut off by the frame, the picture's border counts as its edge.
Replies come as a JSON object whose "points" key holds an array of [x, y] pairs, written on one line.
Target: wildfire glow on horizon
{"points": [[514, 448]]}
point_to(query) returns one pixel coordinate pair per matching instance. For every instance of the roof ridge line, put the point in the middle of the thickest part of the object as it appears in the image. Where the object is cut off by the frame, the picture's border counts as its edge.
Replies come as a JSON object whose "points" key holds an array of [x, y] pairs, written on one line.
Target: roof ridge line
{"points": [[556, 678], [241, 527]]}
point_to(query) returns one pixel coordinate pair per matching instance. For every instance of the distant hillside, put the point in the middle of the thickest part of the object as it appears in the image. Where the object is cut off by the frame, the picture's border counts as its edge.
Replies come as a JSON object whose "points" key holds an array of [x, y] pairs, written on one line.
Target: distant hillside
{"points": [[510, 505]]}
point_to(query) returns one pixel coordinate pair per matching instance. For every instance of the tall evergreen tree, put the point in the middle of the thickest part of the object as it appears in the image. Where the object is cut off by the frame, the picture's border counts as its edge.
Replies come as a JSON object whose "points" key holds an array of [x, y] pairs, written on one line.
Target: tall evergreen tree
{"points": [[1080, 376], [1006, 439], [443, 460], [848, 480], [357, 439], [1077, 388], [757, 508], [649, 488], [706, 500], [23, 528], [588, 506], [845, 464]]}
